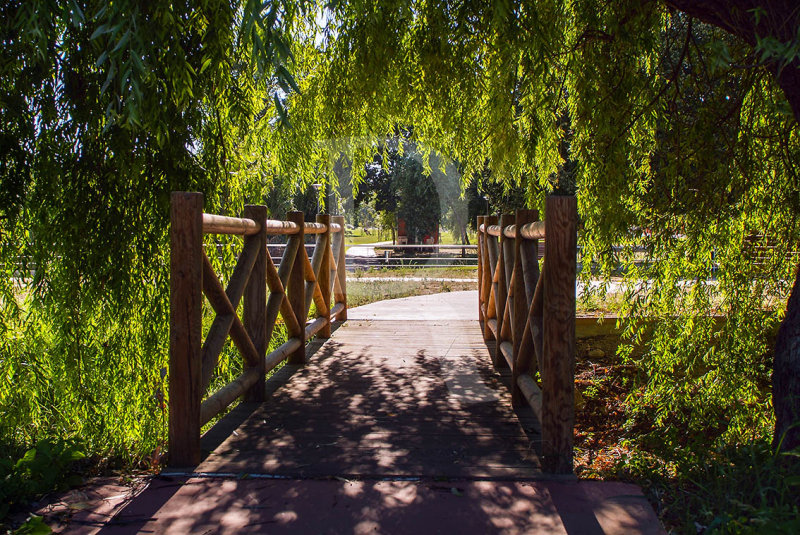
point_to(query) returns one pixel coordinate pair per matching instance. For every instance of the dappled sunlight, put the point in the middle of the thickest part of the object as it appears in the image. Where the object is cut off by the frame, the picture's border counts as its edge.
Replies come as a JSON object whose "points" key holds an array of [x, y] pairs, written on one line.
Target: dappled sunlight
{"points": [[387, 399], [345, 506], [383, 432]]}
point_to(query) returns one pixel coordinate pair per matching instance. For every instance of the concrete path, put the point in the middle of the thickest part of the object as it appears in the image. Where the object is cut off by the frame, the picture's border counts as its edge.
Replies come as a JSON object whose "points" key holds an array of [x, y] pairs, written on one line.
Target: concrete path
{"points": [[443, 306]]}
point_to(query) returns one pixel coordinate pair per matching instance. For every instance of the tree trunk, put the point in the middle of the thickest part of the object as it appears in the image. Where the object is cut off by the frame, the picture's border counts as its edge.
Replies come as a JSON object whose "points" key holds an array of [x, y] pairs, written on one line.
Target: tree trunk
{"points": [[779, 19], [786, 375]]}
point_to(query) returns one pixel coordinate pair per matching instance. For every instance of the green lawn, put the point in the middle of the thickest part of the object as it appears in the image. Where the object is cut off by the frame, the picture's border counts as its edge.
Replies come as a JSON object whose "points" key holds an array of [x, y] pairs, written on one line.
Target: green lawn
{"points": [[359, 236]]}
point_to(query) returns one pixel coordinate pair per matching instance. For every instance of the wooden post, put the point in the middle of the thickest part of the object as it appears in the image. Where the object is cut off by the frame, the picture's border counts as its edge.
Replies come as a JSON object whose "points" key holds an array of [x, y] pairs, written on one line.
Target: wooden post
{"points": [[296, 289], [324, 277], [521, 302], [558, 366], [255, 300], [341, 271], [185, 327], [489, 265], [481, 297], [504, 263]]}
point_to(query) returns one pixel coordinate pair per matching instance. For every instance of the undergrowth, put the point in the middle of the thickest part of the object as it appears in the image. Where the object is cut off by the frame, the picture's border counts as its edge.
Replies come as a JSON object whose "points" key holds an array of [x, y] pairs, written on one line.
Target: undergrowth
{"points": [[700, 480]]}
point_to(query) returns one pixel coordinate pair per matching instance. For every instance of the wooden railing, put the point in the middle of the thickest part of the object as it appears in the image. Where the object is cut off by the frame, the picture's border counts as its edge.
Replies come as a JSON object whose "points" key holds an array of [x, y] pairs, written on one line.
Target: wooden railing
{"points": [[266, 291], [530, 313]]}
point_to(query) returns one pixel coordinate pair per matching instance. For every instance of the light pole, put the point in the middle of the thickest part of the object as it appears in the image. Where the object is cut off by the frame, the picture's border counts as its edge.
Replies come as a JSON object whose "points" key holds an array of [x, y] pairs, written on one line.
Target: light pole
{"points": [[486, 200]]}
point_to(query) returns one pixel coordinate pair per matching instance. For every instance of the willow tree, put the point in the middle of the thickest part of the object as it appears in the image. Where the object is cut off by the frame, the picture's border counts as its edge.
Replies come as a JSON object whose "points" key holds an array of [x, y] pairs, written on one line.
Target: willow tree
{"points": [[675, 132], [105, 107]]}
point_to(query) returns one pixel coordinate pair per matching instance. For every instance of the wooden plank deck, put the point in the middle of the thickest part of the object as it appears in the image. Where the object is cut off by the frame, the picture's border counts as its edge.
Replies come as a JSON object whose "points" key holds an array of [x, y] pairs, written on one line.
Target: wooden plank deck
{"points": [[386, 399]]}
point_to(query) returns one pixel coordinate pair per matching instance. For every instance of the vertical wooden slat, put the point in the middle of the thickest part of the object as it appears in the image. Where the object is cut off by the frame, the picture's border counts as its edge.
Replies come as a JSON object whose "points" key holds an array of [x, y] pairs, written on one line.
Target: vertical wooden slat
{"points": [[558, 366], [324, 279], [295, 288], [505, 262], [341, 270], [489, 265], [255, 301], [520, 298], [185, 325]]}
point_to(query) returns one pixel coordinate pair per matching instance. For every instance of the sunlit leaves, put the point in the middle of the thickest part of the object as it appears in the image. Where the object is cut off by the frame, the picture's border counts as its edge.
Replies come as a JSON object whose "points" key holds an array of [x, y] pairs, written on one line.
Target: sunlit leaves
{"points": [[683, 151], [105, 108]]}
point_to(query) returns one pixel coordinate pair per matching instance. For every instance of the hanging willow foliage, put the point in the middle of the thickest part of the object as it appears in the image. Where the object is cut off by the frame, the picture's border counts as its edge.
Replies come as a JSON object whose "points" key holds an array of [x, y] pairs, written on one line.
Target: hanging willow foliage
{"points": [[105, 108], [672, 133], [681, 148]]}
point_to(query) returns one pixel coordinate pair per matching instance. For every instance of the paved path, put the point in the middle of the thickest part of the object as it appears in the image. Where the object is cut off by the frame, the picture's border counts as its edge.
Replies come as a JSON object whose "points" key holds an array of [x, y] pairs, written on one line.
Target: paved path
{"points": [[394, 426], [458, 306]]}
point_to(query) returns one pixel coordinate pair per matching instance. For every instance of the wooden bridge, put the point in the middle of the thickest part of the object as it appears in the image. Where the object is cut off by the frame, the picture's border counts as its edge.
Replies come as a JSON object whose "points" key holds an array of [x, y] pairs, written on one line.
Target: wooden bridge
{"points": [[434, 418], [389, 398]]}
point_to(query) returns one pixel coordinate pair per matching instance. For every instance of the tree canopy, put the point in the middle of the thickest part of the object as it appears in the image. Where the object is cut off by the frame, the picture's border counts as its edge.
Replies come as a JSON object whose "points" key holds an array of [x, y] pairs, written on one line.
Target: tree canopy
{"points": [[675, 133]]}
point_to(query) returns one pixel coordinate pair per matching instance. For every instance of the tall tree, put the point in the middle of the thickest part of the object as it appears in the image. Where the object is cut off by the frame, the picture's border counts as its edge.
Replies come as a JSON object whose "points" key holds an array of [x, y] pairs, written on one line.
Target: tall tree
{"points": [[105, 107]]}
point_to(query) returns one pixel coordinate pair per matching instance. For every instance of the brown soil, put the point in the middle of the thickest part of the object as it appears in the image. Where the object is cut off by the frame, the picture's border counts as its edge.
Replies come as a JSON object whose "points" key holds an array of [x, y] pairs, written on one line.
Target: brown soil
{"points": [[602, 385]]}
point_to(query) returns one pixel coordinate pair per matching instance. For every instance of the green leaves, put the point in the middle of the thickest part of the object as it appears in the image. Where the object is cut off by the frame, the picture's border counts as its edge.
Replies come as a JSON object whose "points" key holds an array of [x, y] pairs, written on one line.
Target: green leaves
{"points": [[105, 110]]}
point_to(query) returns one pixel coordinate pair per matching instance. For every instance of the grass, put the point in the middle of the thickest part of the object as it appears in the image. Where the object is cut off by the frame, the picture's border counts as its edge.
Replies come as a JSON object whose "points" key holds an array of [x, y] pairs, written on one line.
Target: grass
{"points": [[364, 292], [446, 237], [360, 237], [453, 272]]}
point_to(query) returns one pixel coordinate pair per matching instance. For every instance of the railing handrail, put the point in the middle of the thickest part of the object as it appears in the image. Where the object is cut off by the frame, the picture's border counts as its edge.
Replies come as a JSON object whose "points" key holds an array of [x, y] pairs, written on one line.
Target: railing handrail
{"points": [[530, 231], [417, 246], [220, 224]]}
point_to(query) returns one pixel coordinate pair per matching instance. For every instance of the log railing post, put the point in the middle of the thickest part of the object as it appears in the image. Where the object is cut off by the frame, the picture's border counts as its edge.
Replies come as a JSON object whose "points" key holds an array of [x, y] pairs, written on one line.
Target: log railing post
{"points": [[324, 277], [481, 297], [489, 266], [341, 270], [504, 263], [185, 326], [296, 289], [558, 366], [521, 299], [255, 300]]}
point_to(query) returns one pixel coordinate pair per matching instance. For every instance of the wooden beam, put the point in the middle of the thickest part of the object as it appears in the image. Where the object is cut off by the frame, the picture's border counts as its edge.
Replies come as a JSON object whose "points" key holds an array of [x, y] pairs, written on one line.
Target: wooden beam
{"points": [[296, 288], [340, 295], [281, 352], [519, 297], [505, 262], [226, 322], [481, 297], [220, 224], [337, 308], [254, 314], [534, 230], [490, 261], [531, 393], [185, 327], [324, 279], [558, 365], [531, 349], [313, 327], [311, 268], [227, 394]]}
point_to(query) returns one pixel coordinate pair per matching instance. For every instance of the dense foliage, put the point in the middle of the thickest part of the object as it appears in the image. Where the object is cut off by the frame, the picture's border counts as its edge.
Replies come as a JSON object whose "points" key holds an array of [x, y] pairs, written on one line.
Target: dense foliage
{"points": [[673, 133], [670, 131], [105, 108]]}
